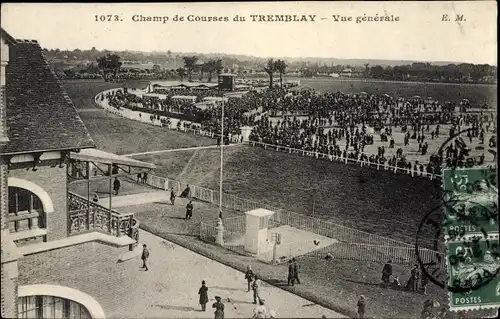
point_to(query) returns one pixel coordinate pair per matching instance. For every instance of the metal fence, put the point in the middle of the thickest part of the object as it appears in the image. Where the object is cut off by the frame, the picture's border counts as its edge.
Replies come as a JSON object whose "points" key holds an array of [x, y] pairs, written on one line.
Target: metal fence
{"points": [[378, 166], [352, 244], [356, 251]]}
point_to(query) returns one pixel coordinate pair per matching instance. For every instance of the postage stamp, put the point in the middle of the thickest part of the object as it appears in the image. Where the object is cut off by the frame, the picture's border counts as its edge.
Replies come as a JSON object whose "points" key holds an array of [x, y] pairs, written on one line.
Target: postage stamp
{"points": [[473, 274], [470, 202]]}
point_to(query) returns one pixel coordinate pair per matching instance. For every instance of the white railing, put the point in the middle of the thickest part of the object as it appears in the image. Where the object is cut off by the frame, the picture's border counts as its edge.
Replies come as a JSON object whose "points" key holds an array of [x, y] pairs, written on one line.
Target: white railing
{"points": [[379, 253], [281, 216], [346, 160], [134, 115], [145, 118]]}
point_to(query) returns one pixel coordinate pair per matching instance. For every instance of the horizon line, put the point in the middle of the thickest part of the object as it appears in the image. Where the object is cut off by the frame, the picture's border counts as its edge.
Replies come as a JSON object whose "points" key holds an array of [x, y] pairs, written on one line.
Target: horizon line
{"points": [[275, 57]]}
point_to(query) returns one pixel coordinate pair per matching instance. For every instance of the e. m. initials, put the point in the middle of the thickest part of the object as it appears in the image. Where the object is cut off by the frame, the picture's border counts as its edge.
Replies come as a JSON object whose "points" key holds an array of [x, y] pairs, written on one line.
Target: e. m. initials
{"points": [[458, 18]]}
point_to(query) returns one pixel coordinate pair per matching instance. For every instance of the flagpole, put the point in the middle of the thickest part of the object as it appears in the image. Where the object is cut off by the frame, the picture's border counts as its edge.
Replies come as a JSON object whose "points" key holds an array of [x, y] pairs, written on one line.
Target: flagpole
{"points": [[221, 160]]}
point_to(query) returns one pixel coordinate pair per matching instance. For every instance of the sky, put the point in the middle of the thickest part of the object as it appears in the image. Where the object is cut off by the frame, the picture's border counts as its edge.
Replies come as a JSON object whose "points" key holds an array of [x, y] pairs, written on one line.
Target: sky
{"points": [[420, 34]]}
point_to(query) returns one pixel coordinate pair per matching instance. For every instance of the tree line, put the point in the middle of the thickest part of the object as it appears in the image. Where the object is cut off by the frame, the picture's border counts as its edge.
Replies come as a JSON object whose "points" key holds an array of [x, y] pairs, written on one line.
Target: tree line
{"points": [[109, 62]]}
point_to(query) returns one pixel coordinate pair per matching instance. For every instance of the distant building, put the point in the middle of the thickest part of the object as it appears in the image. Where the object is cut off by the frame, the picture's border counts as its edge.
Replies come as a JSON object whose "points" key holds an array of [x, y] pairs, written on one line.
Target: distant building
{"points": [[346, 73]]}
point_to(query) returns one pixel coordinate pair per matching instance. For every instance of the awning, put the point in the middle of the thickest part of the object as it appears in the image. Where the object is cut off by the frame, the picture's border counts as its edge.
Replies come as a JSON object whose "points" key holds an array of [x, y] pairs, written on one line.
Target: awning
{"points": [[98, 156]]}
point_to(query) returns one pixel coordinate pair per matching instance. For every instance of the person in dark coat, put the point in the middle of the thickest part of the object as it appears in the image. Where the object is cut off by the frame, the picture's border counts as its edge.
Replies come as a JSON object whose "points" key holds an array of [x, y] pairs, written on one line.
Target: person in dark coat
{"points": [[296, 269], [145, 256], [186, 192], [412, 283], [139, 178], [116, 185], [386, 273], [189, 210], [219, 308], [291, 273], [203, 292], [144, 177], [249, 277], [172, 196]]}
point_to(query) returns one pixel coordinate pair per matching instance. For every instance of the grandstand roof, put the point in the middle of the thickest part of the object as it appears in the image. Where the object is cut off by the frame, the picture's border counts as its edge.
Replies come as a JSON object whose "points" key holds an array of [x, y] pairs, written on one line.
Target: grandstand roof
{"points": [[40, 115], [183, 84], [95, 155], [260, 212], [191, 97]]}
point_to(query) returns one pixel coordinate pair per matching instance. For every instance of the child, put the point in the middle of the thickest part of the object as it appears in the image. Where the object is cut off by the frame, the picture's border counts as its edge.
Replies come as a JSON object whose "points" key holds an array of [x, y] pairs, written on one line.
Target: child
{"points": [[396, 284]]}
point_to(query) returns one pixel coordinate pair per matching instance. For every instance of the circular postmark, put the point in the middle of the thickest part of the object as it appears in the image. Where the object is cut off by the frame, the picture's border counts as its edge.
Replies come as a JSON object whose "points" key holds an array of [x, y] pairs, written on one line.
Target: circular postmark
{"points": [[429, 247]]}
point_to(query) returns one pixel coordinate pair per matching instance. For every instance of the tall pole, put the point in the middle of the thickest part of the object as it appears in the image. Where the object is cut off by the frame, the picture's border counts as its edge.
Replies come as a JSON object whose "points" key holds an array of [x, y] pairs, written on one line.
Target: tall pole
{"points": [[221, 158]]}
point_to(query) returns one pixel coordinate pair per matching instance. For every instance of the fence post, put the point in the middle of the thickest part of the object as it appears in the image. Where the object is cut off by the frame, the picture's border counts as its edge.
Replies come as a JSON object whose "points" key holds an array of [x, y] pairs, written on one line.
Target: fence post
{"points": [[212, 196], [165, 184]]}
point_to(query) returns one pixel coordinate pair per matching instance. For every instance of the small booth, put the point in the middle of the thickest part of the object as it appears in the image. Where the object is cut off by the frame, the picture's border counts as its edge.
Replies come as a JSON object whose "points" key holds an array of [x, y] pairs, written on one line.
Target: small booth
{"points": [[245, 132], [256, 234]]}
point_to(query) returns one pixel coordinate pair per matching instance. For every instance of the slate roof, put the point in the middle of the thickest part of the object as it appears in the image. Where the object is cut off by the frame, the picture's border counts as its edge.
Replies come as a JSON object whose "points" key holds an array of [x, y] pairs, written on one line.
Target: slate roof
{"points": [[40, 115]]}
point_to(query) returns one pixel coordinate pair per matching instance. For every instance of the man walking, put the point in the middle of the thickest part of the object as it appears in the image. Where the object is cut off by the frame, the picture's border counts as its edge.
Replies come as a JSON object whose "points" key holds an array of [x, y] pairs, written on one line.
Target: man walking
{"points": [[291, 273], [386, 273], [189, 210], [144, 256], [249, 276], [256, 289], [296, 268], [116, 185]]}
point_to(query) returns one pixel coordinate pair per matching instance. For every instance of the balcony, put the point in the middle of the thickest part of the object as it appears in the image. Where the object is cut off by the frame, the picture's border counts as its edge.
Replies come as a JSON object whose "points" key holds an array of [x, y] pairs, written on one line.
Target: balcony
{"points": [[86, 216]]}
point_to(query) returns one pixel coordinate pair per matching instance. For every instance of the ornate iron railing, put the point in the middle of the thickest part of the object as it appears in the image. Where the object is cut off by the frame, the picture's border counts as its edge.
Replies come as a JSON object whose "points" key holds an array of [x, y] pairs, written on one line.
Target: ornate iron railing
{"points": [[85, 216]]}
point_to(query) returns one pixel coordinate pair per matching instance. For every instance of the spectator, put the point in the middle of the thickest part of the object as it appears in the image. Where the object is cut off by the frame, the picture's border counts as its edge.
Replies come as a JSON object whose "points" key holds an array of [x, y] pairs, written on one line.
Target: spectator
{"points": [[219, 308], [116, 186], [189, 210], [144, 257], [386, 273], [203, 292], [249, 276], [361, 306]]}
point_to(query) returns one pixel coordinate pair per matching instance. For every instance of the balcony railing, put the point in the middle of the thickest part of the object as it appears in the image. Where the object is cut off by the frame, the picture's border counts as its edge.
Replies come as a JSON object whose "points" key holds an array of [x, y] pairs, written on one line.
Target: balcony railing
{"points": [[86, 216]]}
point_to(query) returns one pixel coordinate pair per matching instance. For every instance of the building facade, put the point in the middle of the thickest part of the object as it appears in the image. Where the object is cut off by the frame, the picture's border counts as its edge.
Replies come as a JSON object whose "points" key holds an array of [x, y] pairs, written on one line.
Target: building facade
{"points": [[62, 256]]}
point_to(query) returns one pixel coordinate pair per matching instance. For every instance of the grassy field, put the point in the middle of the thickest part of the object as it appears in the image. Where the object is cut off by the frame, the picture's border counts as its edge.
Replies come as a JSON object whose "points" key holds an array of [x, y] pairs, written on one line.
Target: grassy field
{"points": [[114, 134], [378, 202], [475, 93], [375, 201], [81, 92]]}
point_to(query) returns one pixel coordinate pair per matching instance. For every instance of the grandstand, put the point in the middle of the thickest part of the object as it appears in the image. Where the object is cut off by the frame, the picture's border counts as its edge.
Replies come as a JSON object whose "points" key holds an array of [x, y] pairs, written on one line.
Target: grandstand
{"points": [[177, 85]]}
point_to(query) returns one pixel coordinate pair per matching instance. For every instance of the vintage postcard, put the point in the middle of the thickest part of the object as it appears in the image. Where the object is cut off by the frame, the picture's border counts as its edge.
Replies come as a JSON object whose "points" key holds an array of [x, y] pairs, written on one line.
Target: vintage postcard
{"points": [[249, 160]]}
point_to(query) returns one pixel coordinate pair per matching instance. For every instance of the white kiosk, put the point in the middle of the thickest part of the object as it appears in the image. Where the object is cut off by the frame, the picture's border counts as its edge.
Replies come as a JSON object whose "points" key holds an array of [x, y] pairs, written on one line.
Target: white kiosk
{"points": [[256, 235]]}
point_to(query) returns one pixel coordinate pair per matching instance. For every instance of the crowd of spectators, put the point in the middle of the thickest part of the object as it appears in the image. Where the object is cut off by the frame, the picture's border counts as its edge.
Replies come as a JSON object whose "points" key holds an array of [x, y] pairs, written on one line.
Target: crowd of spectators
{"points": [[338, 124]]}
